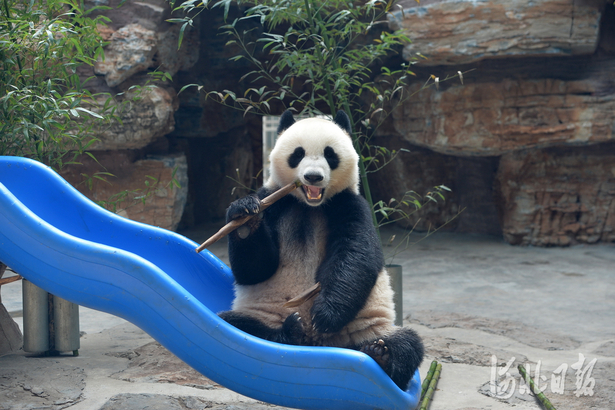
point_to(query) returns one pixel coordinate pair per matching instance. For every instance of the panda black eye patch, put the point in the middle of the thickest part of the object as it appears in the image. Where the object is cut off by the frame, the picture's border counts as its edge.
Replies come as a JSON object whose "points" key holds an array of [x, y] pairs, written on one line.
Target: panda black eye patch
{"points": [[332, 159], [296, 157]]}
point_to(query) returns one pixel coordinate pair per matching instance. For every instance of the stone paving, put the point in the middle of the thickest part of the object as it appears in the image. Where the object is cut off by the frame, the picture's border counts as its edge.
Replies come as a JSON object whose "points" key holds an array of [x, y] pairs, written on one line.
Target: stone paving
{"points": [[474, 300]]}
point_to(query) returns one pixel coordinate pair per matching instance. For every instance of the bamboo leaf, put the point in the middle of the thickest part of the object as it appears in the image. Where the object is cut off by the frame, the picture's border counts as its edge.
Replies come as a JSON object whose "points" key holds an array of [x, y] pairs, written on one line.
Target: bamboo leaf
{"points": [[181, 34], [92, 113]]}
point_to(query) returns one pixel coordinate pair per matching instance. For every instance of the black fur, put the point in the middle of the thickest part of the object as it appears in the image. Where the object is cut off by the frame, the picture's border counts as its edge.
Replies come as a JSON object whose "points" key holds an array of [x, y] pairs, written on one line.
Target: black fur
{"points": [[350, 269], [343, 121], [296, 157], [255, 258], [332, 159], [402, 356], [286, 120], [290, 333]]}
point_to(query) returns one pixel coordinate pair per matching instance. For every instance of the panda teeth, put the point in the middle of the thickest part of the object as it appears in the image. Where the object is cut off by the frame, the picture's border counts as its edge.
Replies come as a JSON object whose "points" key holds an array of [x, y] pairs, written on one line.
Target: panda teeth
{"points": [[313, 193]]}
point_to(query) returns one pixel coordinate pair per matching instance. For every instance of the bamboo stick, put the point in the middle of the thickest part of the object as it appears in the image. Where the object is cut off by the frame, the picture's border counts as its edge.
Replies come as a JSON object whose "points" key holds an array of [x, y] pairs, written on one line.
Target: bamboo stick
{"points": [[264, 204], [428, 378], [311, 292], [540, 395], [432, 388]]}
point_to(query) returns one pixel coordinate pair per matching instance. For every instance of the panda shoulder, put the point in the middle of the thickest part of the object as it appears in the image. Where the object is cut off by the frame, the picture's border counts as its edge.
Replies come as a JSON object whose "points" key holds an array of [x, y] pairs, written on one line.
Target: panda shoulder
{"points": [[349, 203], [349, 197]]}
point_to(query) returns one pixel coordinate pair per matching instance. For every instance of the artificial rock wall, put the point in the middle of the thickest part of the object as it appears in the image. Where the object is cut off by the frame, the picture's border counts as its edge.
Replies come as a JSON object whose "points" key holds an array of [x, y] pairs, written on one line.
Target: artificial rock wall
{"points": [[133, 153], [163, 135], [525, 143]]}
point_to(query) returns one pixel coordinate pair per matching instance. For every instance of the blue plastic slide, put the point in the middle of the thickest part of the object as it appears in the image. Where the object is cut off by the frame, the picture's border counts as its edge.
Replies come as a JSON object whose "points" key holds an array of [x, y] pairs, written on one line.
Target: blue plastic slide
{"points": [[69, 246]]}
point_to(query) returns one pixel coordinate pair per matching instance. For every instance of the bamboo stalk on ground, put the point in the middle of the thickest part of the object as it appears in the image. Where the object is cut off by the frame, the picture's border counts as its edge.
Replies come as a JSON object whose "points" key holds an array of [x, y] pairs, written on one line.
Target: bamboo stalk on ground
{"points": [[265, 203], [428, 377], [540, 395], [432, 387]]}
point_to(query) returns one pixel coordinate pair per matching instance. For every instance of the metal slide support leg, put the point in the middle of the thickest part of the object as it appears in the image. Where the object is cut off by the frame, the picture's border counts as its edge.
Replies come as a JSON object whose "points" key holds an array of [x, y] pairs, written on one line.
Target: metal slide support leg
{"points": [[35, 318], [66, 325], [395, 273], [50, 323]]}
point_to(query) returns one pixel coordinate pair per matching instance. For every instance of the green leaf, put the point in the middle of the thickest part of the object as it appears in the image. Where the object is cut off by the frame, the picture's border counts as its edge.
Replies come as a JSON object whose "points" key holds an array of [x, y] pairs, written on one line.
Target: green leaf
{"points": [[93, 114], [181, 34], [186, 87]]}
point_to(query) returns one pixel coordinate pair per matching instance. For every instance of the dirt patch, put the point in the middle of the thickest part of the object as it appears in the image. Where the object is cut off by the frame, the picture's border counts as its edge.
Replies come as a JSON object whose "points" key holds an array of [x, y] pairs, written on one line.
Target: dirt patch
{"points": [[599, 397], [41, 383], [528, 335], [606, 349], [449, 350], [129, 401], [152, 363]]}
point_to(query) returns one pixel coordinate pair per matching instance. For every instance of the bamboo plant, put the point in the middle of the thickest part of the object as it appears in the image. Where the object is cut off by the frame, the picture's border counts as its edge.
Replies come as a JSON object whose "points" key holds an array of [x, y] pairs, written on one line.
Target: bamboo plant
{"points": [[317, 57]]}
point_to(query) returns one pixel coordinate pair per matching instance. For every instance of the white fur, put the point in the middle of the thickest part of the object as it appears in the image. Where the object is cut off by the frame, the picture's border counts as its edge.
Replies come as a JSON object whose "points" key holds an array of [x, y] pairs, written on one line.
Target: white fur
{"points": [[295, 274], [313, 135]]}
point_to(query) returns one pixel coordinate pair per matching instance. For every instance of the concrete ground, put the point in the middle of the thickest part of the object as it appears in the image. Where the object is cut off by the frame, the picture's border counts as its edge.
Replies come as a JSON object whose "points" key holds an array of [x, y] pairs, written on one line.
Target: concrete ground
{"points": [[475, 301]]}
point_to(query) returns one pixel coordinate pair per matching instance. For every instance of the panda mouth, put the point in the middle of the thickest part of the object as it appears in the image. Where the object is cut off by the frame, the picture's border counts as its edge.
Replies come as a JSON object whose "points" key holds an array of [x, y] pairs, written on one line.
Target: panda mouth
{"points": [[313, 193]]}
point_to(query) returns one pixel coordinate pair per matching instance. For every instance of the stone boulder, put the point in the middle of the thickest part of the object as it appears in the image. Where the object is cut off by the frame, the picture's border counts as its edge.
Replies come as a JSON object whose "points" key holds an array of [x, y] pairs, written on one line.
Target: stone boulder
{"points": [[131, 49], [172, 59], [11, 338], [146, 114], [150, 14], [161, 53], [133, 178], [487, 118], [453, 32], [558, 196]]}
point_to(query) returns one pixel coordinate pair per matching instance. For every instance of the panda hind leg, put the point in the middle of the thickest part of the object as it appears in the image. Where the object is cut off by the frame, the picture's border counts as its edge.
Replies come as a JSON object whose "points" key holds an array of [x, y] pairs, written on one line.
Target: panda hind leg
{"points": [[290, 333], [399, 354]]}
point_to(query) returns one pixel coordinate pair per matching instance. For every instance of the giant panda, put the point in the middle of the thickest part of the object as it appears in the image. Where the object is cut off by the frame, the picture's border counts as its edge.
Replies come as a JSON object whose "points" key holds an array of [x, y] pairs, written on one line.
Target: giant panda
{"points": [[321, 232]]}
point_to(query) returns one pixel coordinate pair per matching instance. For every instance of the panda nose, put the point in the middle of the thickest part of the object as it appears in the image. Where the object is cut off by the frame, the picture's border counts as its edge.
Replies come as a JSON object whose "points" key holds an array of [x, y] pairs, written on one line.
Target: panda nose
{"points": [[313, 178]]}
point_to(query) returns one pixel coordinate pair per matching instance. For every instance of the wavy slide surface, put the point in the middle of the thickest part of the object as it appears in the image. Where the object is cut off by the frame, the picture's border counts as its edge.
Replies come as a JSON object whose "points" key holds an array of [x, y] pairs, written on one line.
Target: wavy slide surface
{"points": [[64, 243]]}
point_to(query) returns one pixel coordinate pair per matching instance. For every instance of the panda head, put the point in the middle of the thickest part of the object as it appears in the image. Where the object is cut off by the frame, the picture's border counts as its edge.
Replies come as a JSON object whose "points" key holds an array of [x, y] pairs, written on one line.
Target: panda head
{"points": [[317, 152]]}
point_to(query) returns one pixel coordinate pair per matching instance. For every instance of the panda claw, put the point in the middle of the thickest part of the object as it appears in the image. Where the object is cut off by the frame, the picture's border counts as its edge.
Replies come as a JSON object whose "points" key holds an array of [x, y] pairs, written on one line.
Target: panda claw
{"points": [[377, 351], [292, 329]]}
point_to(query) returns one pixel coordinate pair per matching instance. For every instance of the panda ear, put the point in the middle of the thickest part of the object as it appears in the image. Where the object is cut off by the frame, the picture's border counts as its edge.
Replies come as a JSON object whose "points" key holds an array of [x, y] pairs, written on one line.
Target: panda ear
{"points": [[286, 120], [343, 121]]}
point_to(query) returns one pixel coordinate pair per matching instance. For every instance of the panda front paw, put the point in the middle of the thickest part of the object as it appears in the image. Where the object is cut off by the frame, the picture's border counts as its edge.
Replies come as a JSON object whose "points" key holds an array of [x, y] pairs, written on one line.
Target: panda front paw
{"points": [[292, 330], [248, 205], [326, 318], [379, 351]]}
